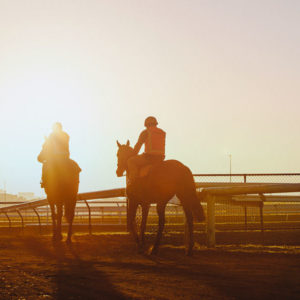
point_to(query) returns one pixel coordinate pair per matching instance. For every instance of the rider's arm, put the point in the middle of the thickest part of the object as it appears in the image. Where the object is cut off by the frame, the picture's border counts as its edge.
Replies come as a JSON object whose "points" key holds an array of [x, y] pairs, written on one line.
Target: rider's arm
{"points": [[141, 141]]}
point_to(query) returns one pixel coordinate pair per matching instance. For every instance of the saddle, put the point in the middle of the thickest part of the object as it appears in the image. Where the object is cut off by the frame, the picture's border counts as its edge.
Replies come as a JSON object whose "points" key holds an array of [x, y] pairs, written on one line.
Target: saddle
{"points": [[145, 170], [64, 169]]}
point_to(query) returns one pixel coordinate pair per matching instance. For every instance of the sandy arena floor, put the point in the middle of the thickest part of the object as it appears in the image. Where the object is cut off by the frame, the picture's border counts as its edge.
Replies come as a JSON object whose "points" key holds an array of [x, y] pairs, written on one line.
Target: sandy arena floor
{"points": [[106, 266]]}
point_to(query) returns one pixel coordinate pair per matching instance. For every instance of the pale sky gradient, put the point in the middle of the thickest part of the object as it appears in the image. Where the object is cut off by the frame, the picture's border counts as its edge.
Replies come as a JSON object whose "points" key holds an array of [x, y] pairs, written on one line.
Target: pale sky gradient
{"points": [[221, 76]]}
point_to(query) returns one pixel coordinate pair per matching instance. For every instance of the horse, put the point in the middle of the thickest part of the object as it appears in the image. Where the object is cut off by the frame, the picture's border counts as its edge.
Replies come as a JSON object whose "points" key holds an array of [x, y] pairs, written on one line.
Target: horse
{"points": [[60, 182], [164, 180]]}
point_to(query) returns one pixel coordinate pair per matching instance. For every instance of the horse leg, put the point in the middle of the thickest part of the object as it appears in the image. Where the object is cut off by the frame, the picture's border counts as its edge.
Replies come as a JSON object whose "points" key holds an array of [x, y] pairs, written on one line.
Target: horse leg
{"points": [[69, 237], [190, 225], [59, 218], [131, 220], [53, 217], [161, 223], [70, 216], [145, 211]]}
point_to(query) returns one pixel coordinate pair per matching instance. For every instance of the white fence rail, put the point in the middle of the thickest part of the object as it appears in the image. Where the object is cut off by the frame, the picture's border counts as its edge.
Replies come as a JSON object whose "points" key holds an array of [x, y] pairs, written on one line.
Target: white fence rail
{"points": [[212, 196]]}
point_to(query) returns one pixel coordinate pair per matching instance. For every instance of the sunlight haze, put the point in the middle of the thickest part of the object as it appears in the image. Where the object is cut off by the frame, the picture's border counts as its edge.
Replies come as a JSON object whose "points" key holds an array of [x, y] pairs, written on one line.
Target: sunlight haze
{"points": [[222, 77]]}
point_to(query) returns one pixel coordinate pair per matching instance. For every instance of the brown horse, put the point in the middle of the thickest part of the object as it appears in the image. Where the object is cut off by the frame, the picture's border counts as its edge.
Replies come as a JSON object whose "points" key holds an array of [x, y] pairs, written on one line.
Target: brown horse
{"points": [[164, 181], [60, 181]]}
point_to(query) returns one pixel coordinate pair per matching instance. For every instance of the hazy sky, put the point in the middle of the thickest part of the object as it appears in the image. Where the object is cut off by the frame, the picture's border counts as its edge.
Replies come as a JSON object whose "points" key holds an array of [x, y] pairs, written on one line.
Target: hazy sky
{"points": [[222, 77]]}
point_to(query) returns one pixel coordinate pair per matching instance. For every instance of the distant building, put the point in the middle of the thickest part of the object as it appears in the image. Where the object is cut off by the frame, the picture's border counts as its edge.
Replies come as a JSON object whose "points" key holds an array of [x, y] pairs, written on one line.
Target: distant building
{"points": [[27, 195], [21, 197], [5, 197]]}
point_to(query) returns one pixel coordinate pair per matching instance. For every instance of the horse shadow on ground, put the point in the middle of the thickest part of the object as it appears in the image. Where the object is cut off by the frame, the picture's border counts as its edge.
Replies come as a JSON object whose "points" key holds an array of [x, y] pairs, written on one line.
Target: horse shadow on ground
{"points": [[72, 277], [226, 283], [218, 273]]}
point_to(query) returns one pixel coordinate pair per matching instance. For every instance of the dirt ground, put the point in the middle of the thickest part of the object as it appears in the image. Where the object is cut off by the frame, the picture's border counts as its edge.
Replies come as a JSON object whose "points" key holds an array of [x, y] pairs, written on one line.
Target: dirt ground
{"points": [[107, 266]]}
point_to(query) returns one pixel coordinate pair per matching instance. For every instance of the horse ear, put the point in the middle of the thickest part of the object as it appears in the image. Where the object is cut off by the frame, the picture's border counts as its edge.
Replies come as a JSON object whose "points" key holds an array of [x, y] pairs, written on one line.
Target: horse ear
{"points": [[119, 145], [128, 143]]}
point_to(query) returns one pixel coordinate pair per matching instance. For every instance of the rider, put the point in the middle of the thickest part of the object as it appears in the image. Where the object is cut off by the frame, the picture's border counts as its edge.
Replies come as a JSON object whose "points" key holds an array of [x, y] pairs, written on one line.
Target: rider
{"points": [[59, 145], [154, 139], [60, 142]]}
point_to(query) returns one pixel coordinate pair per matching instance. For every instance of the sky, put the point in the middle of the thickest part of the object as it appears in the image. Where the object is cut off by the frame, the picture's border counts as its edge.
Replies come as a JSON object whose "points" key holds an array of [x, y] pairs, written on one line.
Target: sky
{"points": [[222, 78]]}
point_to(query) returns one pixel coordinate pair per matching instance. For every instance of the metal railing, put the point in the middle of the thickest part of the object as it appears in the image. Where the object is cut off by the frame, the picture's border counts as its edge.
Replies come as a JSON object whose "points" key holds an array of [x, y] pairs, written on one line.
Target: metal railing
{"points": [[249, 177], [214, 195], [90, 209], [82, 198]]}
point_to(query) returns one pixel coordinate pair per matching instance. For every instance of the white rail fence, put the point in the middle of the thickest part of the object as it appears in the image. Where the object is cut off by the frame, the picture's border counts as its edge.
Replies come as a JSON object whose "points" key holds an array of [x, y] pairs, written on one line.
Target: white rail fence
{"points": [[83, 198], [214, 197], [219, 194]]}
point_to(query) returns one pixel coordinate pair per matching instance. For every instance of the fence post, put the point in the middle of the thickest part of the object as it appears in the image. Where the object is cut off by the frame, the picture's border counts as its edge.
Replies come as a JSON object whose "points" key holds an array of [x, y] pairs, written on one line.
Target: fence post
{"points": [[211, 238], [263, 199], [22, 220], [40, 225], [9, 221], [90, 219]]}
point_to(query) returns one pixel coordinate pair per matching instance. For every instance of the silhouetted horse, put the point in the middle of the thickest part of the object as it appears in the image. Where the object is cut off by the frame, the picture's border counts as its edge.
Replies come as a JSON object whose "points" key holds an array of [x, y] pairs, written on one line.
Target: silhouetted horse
{"points": [[60, 181], [164, 181]]}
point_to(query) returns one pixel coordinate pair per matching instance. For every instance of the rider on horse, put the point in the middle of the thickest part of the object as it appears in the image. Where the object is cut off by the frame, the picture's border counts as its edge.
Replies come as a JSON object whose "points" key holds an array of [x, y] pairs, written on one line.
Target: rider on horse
{"points": [[58, 141], [168, 178], [154, 140]]}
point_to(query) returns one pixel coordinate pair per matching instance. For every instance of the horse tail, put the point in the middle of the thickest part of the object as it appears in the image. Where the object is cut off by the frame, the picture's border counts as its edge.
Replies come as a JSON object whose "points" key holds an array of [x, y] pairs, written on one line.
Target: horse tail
{"points": [[190, 194]]}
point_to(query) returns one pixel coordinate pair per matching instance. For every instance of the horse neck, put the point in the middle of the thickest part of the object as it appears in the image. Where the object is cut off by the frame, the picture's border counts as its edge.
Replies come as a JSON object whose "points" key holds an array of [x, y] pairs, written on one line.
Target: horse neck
{"points": [[47, 152], [124, 162], [132, 154], [48, 157]]}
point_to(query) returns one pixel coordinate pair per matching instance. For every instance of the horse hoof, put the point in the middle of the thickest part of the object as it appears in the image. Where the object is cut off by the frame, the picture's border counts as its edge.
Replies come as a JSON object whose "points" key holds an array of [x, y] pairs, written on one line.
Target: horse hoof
{"points": [[57, 237], [153, 250]]}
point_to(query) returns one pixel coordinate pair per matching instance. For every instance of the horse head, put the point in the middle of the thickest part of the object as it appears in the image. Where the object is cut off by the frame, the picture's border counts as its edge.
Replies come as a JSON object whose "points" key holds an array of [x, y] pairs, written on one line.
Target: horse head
{"points": [[123, 154]]}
